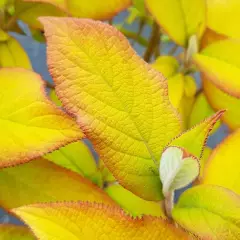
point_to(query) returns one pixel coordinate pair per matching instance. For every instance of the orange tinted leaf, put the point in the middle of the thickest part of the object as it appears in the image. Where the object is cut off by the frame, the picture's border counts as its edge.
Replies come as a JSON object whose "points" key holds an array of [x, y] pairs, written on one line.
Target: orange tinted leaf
{"points": [[12, 232], [43, 181], [30, 124], [118, 99], [221, 100], [94, 9], [223, 165], [93, 221]]}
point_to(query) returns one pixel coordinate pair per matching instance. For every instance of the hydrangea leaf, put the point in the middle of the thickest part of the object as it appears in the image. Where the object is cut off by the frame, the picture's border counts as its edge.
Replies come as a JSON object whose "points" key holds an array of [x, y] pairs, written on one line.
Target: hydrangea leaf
{"points": [[133, 204], [29, 12], [180, 19], [222, 167], [13, 55], [221, 100], [118, 99], [227, 25], [30, 124], [78, 158], [94, 9], [211, 212], [11, 232], [201, 110], [176, 170], [77, 221], [220, 63], [43, 181], [167, 65], [194, 139]]}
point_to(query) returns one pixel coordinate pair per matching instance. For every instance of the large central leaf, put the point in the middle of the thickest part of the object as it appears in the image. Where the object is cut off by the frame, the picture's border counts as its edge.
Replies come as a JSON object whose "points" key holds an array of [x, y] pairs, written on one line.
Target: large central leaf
{"points": [[120, 101]]}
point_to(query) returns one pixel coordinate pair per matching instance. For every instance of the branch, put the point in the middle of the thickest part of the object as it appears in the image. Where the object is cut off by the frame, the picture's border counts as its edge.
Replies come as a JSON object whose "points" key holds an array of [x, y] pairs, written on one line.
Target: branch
{"points": [[154, 38]]}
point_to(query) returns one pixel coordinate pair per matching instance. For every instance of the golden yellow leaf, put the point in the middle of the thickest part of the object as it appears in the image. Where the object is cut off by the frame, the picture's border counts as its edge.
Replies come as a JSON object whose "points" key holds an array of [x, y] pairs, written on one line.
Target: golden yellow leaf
{"points": [[13, 55], [209, 211], [221, 100], [220, 63], [119, 100], [222, 167], [133, 204], [94, 9], [180, 19], [81, 220], [42, 181], [223, 17], [30, 124]]}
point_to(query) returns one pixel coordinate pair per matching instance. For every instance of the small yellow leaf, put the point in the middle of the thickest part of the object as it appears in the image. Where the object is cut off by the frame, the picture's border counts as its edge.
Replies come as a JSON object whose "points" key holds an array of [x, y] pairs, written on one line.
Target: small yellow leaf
{"points": [[201, 110], [223, 165], [180, 19], [30, 124], [13, 55], [15, 232], [223, 17], [76, 157], [77, 221], [29, 12], [133, 204], [94, 9], [221, 100], [190, 87], [176, 89], [194, 139], [220, 63], [43, 181], [211, 212], [167, 65], [3, 36], [118, 99]]}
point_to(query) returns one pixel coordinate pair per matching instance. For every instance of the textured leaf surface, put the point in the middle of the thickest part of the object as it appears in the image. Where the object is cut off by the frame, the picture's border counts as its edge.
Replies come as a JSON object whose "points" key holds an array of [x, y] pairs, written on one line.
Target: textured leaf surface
{"points": [[76, 157], [30, 124], [43, 181], [201, 110], [227, 25], [119, 100], [223, 165], [211, 212], [133, 204], [194, 139], [176, 170], [93, 221], [13, 55], [221, 100], [14, 232], [94, 9], [180, 19], [220, 63]]}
